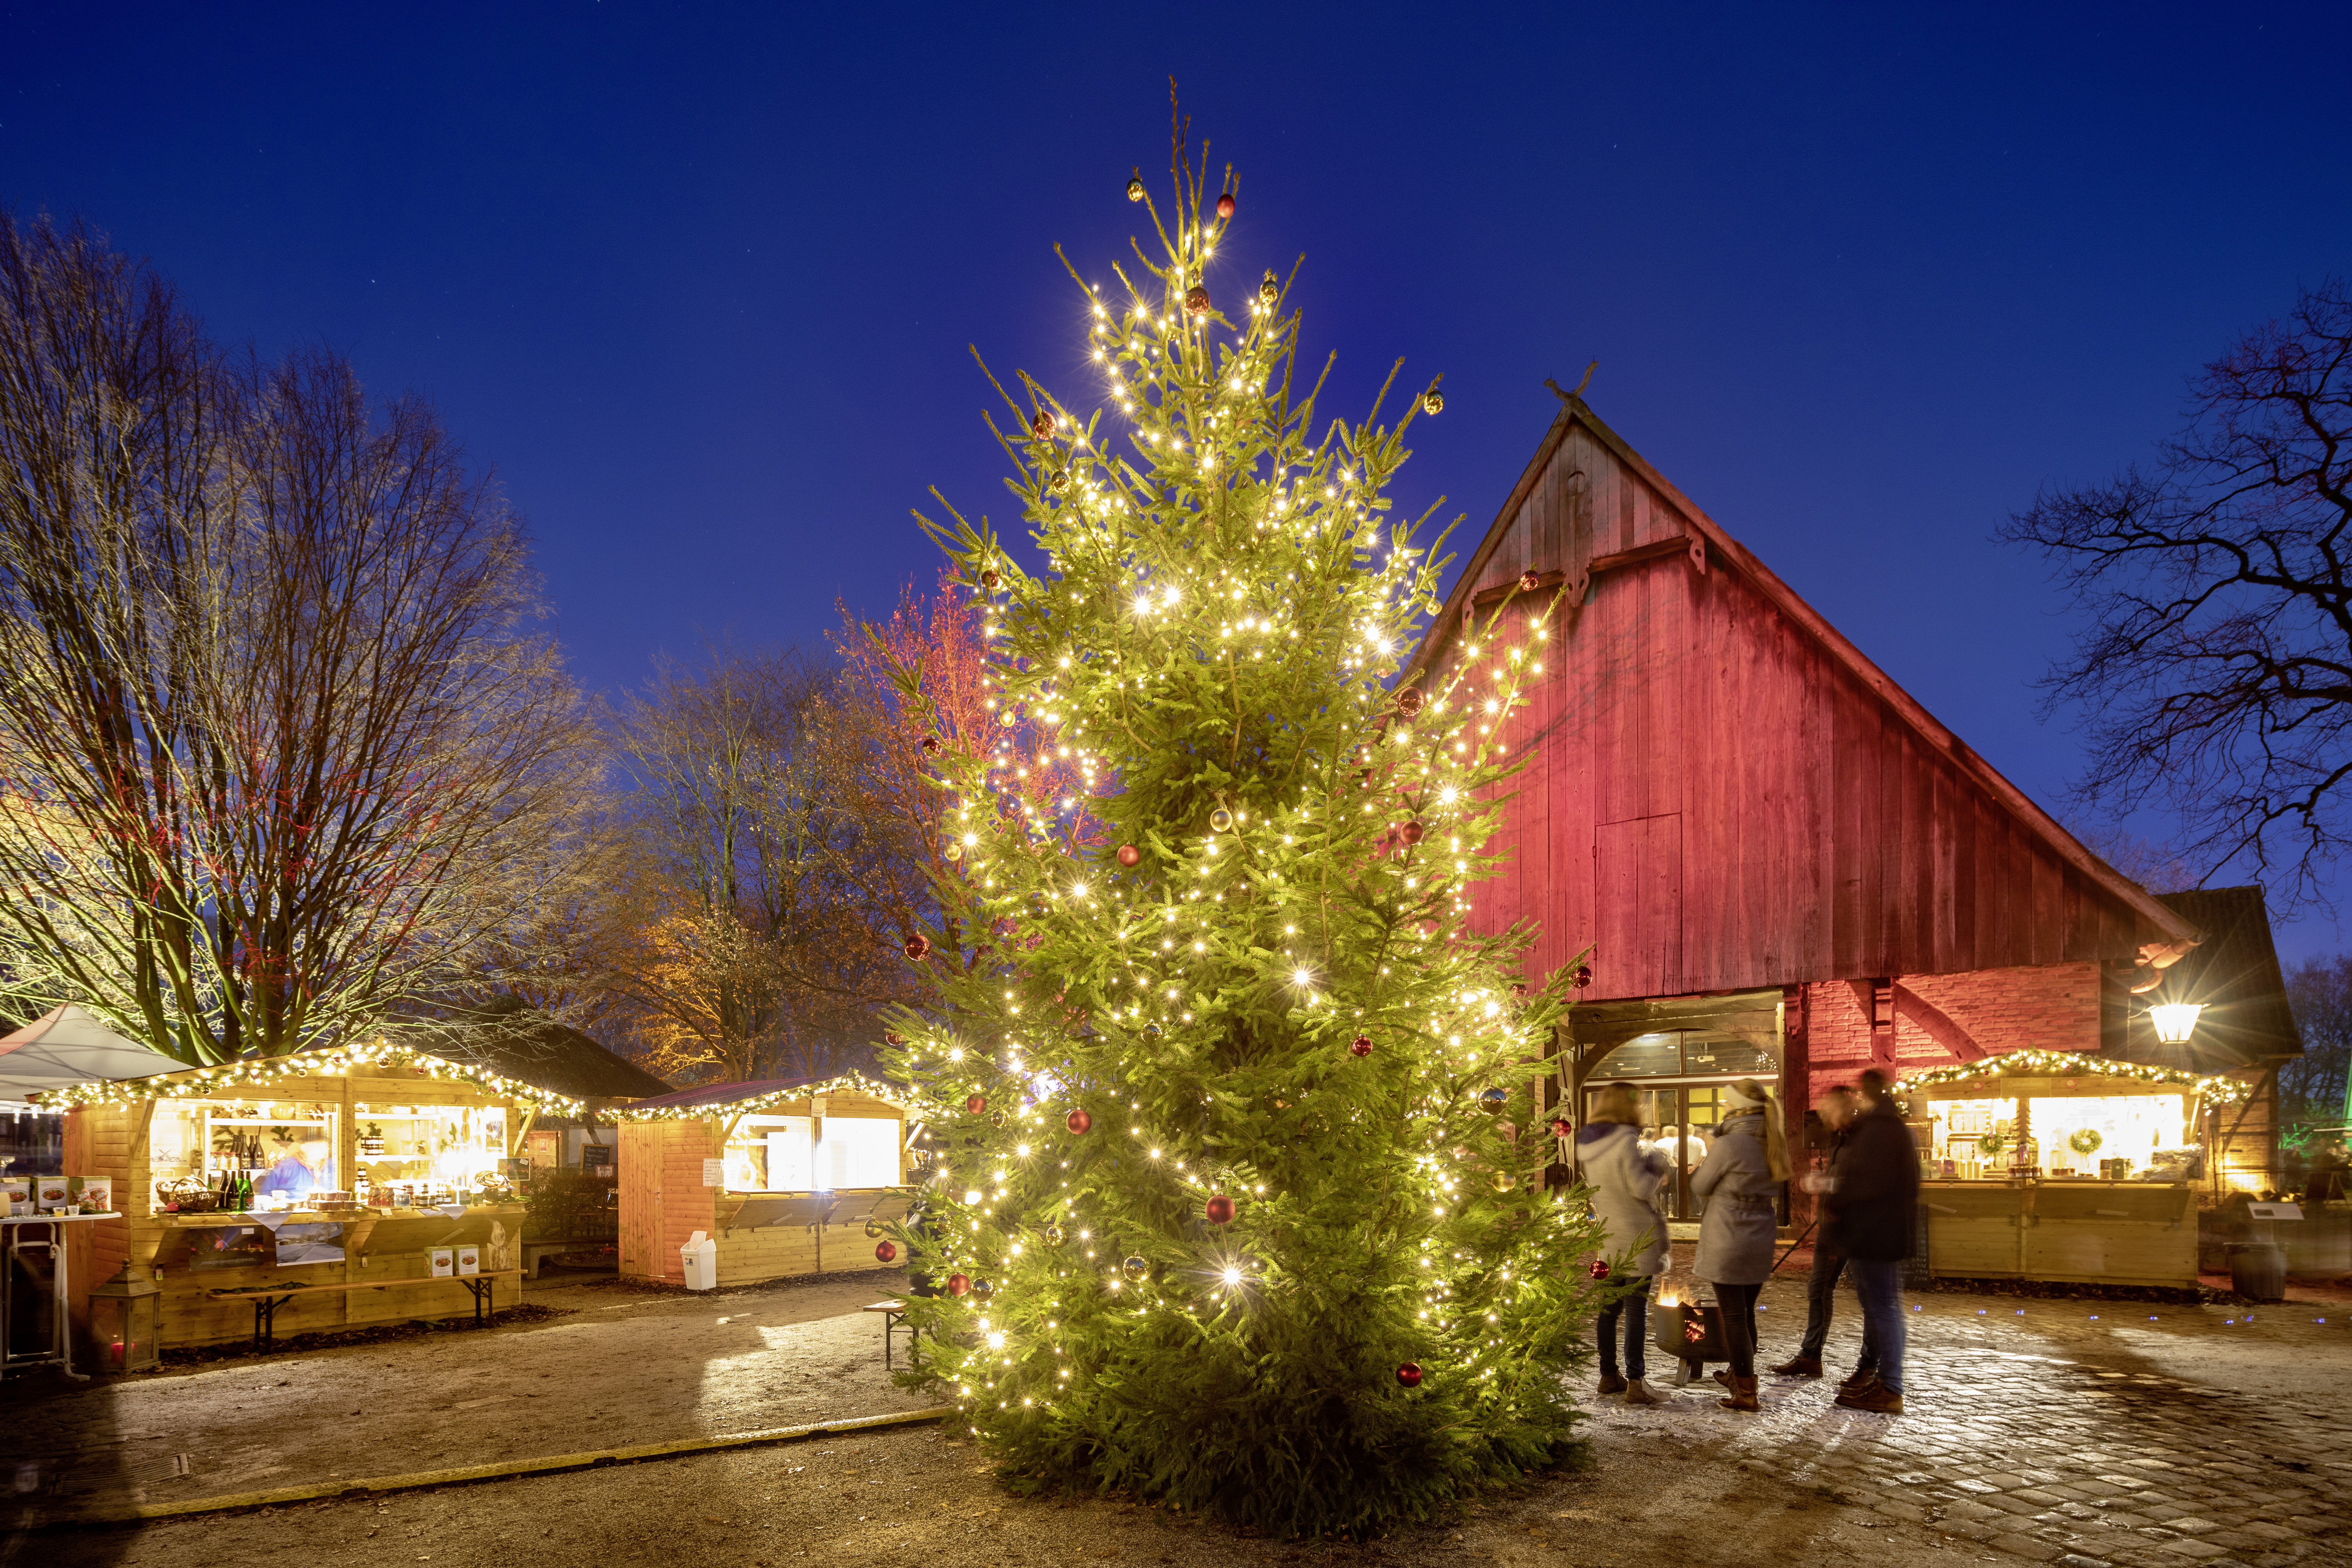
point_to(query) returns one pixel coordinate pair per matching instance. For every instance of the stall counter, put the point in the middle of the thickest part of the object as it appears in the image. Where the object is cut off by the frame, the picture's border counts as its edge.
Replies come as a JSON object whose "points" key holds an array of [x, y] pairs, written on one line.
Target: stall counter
{"points": [[2078, 1231]]}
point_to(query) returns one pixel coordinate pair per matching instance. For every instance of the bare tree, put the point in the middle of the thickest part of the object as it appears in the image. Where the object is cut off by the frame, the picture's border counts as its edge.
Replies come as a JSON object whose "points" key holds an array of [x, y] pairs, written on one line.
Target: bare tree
{"points": [[2216, 669], [281, 745]]}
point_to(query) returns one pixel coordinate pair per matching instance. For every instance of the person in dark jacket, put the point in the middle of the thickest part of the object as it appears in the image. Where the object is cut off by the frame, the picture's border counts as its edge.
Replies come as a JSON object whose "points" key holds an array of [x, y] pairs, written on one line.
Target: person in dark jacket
{"points": [[1837, 1110], [1874, 1217]]}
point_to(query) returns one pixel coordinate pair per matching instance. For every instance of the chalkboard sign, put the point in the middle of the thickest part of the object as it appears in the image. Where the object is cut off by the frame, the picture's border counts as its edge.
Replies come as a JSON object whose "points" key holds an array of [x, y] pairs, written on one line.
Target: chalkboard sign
{"points": [[596, 1157]]}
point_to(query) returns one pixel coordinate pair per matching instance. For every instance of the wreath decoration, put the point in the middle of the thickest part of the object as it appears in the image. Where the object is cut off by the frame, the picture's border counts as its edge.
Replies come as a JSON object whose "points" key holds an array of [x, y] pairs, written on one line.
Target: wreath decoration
{"points": [[2084, 1141], [1991, 1143]]}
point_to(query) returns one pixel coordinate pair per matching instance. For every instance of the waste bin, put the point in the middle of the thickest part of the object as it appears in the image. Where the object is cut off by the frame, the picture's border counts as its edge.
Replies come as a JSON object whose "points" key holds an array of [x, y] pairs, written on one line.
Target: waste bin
{"points": [[699, 1260], [2258, 1271]]}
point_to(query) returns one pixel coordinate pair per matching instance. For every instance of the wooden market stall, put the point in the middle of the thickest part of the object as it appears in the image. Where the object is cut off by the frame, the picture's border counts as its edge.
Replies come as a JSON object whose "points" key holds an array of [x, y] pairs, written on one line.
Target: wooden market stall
{"points": [[2060, 1166], [372, 1169], [785, 1177]]}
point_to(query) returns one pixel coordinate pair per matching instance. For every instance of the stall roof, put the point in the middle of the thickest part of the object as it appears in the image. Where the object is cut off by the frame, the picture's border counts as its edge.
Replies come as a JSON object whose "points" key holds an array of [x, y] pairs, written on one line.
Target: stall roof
{"points": [[2235, 973], [750, 1094], [722, 1093], [68, 1045], [535, 1049]]}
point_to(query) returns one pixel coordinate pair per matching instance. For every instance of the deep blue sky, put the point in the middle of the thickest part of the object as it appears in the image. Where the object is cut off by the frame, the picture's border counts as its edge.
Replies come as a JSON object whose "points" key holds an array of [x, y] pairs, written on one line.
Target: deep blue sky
{"points": [[698, 282]]}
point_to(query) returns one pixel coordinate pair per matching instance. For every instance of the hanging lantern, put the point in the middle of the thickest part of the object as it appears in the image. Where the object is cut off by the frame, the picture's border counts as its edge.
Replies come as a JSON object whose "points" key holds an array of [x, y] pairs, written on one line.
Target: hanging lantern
{"points": [[2175, 1021]]}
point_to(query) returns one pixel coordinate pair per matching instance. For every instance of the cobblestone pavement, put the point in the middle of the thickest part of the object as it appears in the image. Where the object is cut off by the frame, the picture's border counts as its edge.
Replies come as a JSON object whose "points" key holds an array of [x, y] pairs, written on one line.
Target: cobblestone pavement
{"points": [[2146, 1436], [2080, 1434]]}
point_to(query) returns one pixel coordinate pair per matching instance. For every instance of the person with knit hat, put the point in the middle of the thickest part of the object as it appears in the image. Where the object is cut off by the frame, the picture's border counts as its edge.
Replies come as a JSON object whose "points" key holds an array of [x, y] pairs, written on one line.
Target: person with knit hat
{"points": [[1738, 1181]]}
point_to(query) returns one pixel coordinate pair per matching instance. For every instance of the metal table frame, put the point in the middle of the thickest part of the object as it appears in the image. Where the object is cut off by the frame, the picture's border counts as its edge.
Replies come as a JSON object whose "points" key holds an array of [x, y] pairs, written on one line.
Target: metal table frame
{"points": [[60, 1352]]}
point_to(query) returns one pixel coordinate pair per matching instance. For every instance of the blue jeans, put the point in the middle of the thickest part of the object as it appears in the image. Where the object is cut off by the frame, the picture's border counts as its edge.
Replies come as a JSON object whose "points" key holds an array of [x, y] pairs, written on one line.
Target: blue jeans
{"points": [[1879, 1283], [1634, 1307]]}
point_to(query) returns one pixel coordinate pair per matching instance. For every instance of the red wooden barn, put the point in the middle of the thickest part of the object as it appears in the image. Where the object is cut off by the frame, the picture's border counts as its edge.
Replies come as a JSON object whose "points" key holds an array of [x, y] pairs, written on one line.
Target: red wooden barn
{"points": [[1783, 864]]}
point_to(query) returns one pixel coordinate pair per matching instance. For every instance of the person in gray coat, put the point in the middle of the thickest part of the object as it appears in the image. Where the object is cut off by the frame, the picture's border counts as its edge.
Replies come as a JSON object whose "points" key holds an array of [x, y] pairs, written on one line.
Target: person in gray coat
{"points": [[1737, 1181], [1624, 1176]]}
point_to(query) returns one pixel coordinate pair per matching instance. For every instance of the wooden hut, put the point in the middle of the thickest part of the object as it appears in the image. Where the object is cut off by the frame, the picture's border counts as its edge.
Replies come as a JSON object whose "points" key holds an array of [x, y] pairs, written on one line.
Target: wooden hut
{"points": [[366, 1161], [1784, 866], [783, 1174]]}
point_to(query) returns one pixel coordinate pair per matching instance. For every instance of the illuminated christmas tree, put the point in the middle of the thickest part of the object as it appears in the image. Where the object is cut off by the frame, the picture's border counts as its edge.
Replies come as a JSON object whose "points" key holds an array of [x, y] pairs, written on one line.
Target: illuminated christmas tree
{"points": [[1238, 1200]]}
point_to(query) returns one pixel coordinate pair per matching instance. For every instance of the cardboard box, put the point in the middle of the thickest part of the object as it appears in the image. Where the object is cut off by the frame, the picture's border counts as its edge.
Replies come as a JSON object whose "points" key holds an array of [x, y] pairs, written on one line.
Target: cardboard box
{"points": [[51, 1194], [444, 1262], [95, 1193], [16, 1194], [469, 1260]]}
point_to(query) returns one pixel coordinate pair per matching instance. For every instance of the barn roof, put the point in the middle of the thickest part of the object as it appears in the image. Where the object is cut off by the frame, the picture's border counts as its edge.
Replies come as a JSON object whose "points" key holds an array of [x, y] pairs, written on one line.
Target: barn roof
{"points": [[2235, 973], [2174, 926]]}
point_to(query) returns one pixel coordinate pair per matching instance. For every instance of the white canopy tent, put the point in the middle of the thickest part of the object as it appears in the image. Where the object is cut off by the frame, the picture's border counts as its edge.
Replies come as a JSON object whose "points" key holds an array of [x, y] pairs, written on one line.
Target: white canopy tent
{"points": [[67, 1046]]}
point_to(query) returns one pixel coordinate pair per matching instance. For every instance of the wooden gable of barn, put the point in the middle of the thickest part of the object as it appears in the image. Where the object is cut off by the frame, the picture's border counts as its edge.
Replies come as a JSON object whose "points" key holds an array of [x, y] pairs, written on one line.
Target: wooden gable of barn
{"points": [[1724, 793]]}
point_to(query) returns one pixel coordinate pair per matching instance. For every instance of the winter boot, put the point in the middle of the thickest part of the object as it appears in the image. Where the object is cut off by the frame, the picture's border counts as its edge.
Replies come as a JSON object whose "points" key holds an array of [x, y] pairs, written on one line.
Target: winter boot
{"points": [[1743, 1395], [1612, 1383], [1864, 1376], [1876, 1397], [1799, 1366], [1638, 1393]]}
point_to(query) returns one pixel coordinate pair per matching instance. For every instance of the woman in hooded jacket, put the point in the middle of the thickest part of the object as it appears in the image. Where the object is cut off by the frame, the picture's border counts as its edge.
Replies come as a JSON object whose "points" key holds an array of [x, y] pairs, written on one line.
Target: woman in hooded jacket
{"points": [[1737, 1181], [1623, 1174]]}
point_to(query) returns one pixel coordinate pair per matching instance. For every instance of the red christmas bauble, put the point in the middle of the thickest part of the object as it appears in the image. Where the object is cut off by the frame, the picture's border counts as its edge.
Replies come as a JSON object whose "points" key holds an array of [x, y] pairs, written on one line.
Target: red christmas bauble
{"points": [[1599, 1267], [1409, 701], [893, 1037], [1411, 832], [989, 580], [1518, 987], [1560, 1127], [1410, 1375], [959, 1283], [1225, 205], [932, 746], [1583, 976], [1078, 1120], [976, 1104], [888, 1251], [1361, 1044], [1219, 1209], [918, 946], [1528, 582], [1196, 300], [1129, 855], [1043, 424]]}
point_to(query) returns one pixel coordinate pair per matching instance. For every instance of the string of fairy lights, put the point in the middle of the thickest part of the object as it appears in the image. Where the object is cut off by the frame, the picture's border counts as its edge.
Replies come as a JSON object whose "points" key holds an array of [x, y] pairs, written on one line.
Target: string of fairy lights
{"points": [[336, 1061], [1199, 544], [2213, 1089], [848, 1083]]}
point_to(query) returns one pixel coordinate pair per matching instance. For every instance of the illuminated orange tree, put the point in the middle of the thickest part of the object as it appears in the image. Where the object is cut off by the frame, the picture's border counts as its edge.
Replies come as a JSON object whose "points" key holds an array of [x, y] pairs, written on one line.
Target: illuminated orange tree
{"points": [[1241, 1206]]}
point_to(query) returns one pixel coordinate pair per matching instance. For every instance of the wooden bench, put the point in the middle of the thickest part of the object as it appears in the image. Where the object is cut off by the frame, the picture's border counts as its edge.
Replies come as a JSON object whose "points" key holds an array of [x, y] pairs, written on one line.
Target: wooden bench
{"points": [[893, 1314], [267, 1298]]}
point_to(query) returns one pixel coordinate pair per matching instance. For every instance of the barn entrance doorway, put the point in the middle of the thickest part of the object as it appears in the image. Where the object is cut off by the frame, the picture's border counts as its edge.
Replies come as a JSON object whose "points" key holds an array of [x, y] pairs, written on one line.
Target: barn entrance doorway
{"points": [[1677, 1054]]}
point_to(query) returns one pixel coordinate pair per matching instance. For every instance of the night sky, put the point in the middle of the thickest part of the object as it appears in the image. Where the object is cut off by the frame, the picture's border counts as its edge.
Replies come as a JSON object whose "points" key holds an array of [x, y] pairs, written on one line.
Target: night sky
{"points": [[699, 285]]}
